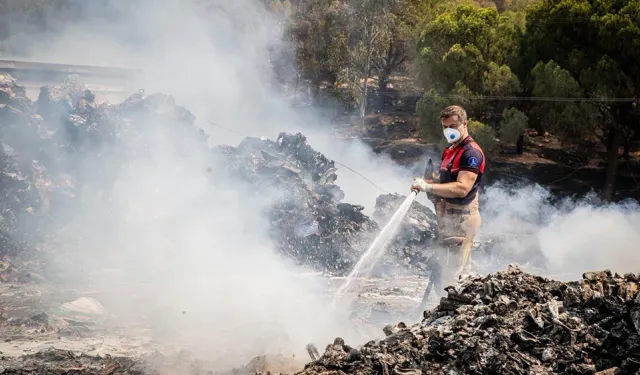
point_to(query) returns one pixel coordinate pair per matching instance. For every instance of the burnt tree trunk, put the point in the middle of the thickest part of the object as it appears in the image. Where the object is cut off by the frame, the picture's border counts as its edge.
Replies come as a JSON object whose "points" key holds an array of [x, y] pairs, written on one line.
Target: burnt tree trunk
{"points": [[613, 143], [520, 145], [363, 103], [626, 150], [383, 80]]}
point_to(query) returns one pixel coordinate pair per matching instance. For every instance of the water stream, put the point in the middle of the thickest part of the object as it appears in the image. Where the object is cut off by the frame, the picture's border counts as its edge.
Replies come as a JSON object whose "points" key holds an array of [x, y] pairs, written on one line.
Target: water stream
{"points": [[368, 260]]}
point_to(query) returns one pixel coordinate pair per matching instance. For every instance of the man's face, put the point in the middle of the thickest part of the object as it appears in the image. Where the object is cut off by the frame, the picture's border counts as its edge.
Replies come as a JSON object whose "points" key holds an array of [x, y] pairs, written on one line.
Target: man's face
{"points": [[454, 122]]}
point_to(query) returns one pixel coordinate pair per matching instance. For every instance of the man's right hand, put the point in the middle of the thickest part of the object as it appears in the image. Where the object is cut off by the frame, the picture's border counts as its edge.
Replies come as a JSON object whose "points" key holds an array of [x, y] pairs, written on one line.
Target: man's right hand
{"points": [[419, 184]]}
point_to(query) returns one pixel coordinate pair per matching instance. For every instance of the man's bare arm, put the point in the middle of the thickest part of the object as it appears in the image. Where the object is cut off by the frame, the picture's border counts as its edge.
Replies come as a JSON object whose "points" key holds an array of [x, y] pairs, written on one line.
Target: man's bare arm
{"points": [[458, 189]]}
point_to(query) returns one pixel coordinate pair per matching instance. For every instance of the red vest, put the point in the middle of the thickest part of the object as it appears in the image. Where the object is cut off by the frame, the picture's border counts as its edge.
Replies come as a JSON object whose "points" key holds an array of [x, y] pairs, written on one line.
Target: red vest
{"points": [[450, 167]]}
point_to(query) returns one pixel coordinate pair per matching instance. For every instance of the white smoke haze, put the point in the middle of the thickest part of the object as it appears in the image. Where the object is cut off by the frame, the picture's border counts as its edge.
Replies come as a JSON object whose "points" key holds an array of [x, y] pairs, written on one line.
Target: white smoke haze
{"points": [[203, 270], [573, 235]]}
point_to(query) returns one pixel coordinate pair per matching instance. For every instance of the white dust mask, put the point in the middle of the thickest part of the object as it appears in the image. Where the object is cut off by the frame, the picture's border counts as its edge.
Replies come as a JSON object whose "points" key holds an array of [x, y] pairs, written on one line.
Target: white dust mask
{"points": [[451, 135]]}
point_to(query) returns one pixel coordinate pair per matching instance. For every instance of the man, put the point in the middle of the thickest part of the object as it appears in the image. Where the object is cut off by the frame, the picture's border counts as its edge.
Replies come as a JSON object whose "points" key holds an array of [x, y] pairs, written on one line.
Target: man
{"points": [[455, 196]]}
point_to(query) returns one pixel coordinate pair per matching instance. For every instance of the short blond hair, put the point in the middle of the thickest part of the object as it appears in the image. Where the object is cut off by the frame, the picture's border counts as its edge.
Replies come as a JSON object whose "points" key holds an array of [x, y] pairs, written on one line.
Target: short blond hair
{"points": [[453, 110]]}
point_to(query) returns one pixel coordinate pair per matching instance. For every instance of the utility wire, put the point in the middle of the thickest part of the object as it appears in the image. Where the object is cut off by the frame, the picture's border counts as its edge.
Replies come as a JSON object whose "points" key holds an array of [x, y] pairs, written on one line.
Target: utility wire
{"points": [[540, 98], [522, 98], [225, 128], [361, 175], [342, 165]]}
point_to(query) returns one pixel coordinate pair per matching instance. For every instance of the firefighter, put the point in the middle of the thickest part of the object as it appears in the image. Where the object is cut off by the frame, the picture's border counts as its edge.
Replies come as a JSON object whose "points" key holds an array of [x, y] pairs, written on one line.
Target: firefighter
{"points": [[455, 196]]}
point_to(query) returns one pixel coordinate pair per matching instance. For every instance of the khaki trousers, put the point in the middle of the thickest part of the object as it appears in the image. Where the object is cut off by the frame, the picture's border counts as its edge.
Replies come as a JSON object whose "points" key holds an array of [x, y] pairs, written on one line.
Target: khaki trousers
{"points": [[457, 227]]}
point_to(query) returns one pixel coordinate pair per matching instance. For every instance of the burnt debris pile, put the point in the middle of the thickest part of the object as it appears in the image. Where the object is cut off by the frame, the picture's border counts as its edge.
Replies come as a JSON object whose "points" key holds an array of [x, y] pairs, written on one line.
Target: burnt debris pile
{"points": [[64, 153], [65, 148], [20, 185], [309, 221], [510, 322]]}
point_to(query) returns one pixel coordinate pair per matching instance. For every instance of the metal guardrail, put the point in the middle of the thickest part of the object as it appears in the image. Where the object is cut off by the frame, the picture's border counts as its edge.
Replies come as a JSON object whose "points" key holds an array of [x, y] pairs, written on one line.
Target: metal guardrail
{"points": [[69, 69], [108, 83]]}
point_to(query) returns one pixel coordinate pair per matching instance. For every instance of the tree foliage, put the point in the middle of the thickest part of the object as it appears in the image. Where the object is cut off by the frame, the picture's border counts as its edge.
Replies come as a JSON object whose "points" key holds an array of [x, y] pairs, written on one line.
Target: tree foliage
{"points": [[576, 59], [513, 125], [483, 134], [460, 46], [318, 32], [551, 81], [465, 56], [594, 48], [344, 43]]}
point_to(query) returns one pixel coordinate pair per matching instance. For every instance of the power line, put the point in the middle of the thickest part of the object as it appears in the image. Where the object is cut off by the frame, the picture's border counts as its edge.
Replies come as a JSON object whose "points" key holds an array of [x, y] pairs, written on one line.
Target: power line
{"points": [[541, 98], [521, 98], [228, 129], [361, 175], [509, 98]]}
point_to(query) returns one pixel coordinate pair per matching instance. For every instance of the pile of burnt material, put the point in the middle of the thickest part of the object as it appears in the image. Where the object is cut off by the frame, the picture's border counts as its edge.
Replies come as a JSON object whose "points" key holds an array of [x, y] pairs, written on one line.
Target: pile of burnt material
{"points": [[309, 221], [509, 322], [21, 185], [65, 148]]}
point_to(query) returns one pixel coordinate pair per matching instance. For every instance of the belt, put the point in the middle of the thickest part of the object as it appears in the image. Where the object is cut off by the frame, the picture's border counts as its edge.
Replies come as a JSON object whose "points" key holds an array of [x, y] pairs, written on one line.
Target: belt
{"points": [[457, 211], [452, 211]]}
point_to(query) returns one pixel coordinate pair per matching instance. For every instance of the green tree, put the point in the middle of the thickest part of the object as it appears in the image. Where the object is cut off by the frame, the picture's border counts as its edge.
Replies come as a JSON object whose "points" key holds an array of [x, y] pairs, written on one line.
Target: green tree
{"points": [[407, 17], [460, 45], [485, 135], [595, 43], [371, 25], [512, 128], [318, 31], [465, 56], [556, 112]]}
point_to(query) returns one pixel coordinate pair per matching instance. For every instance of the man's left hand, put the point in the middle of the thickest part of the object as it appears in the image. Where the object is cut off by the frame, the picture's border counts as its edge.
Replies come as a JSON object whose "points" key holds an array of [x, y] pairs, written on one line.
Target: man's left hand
{"points": [[419, 184]]}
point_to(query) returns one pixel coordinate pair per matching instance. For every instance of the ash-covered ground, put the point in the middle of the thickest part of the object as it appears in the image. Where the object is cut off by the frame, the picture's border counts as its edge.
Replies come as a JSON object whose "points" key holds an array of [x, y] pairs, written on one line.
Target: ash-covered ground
{"points": [[71, 244]]}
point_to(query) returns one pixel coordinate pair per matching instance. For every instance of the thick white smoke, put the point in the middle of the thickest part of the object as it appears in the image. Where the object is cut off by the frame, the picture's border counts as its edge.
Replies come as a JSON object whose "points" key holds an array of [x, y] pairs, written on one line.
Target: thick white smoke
{"points": [[571, 235]]}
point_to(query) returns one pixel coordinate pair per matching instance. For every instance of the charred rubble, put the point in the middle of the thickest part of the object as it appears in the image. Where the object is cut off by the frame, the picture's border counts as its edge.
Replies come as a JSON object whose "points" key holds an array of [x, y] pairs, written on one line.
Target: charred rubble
{"points": [[53, 146], [309, 221], [510, 322]]}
